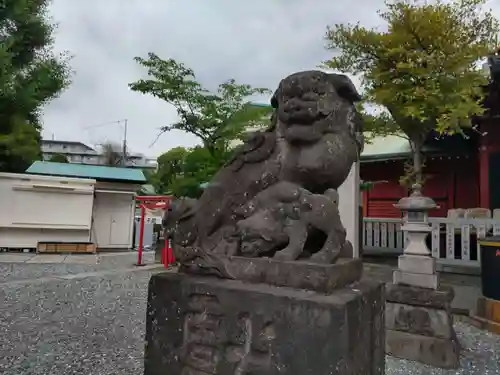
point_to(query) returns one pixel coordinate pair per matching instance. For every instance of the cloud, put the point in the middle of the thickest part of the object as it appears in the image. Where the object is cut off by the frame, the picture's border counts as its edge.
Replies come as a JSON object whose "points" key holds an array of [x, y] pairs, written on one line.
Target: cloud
{"points": [[256, 42]]}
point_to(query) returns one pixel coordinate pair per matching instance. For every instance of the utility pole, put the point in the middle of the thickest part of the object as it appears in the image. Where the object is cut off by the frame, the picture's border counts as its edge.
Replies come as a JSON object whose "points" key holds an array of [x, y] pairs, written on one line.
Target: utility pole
{"points": [[124, 156]]}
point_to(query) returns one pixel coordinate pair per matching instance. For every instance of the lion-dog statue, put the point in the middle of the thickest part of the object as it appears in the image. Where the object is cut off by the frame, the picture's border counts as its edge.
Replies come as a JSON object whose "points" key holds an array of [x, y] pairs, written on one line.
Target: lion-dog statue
{"points": [[277, 196]]}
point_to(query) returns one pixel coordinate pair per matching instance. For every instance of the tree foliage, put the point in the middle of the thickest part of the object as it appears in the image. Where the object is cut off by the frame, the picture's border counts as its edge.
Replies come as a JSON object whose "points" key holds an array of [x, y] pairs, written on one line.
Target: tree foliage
{"points": [[181, 172], [423, 68], [59, 158], [30, 76], [377, 124], [112, 154], [215, 118]]}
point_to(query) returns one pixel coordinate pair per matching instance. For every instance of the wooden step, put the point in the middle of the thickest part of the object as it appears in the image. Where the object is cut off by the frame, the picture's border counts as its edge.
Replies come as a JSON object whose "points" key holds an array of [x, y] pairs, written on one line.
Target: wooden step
{"points": [[66, 247], [488, 315], [488, 309], [486, 324]]}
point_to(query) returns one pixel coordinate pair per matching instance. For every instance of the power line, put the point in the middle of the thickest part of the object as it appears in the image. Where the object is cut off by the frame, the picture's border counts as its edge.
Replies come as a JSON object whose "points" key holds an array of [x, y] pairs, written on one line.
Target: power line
{"points": [[104, 124], [125, 129]]}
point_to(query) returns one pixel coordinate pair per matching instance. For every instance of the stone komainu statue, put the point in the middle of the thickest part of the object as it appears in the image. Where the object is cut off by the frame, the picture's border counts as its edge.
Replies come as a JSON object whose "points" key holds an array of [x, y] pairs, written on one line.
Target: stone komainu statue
{"points": [[277, 196]]}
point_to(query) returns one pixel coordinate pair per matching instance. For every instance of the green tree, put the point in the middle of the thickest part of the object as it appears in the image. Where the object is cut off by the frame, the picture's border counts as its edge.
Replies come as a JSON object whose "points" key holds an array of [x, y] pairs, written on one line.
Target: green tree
{"points": [[30, 76], [58, 158], [215, 118], [422, 68], [112, 154], [181, 172], [170, 166]]}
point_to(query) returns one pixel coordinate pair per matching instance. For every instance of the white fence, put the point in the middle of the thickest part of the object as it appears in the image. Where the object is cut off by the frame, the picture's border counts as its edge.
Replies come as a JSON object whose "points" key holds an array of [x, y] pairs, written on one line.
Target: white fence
{"points": [[453, 241]]}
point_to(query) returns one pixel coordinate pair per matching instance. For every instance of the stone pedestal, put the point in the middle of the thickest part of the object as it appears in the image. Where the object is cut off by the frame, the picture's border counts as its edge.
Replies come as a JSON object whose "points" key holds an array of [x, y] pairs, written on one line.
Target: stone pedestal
{"points": [[277, 318], [416, 270], [419, 325]]}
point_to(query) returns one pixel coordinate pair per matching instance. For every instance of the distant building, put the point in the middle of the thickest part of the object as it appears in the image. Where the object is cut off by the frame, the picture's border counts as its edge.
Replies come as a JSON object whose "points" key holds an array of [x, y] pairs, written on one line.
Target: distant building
{"points": [[80, 153]]}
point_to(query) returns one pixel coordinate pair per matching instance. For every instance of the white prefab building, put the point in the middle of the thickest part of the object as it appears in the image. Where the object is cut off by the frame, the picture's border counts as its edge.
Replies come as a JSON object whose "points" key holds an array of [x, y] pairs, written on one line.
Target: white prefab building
{"points": [[62, 202], [44, 208], [113, 216]]}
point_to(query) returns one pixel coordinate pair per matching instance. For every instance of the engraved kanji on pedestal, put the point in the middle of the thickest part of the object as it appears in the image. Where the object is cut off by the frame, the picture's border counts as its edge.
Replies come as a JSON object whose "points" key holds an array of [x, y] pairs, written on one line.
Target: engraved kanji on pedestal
{"points": [[208, 343]]}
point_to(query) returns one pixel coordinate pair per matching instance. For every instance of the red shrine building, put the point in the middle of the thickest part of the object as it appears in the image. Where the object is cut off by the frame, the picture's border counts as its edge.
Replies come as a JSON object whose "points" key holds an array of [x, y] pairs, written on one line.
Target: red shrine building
{"points": [[461, 172]]}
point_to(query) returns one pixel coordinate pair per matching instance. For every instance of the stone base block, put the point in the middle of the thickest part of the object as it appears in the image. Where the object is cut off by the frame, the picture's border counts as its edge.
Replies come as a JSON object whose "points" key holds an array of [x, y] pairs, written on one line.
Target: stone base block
{"points": [[440, 298], [420, 325], [323, 278], [433, 351], [417, 264], [419, 320], [202, 325], [416, 279]]}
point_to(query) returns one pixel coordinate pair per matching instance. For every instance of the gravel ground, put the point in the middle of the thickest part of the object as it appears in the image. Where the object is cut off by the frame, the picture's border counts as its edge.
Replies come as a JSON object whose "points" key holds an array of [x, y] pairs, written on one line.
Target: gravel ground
{"points": [[90, 326], [95, 326], [480, 356]]}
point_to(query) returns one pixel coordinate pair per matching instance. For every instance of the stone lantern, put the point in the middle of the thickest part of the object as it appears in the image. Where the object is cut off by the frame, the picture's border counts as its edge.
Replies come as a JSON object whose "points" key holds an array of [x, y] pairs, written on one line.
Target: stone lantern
{"points": [[416, 266], [418, 320]]}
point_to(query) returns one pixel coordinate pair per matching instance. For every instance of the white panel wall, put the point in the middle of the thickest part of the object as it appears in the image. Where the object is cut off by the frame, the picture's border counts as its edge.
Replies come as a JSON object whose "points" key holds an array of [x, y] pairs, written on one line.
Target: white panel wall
{"points": [[44, 208], [114, 209], [349, 207], [28, 238]]}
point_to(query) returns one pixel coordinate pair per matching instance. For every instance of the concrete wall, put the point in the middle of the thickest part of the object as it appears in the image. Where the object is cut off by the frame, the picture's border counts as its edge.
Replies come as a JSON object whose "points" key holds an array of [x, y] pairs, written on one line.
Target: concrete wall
{"points": [[349, 207]]}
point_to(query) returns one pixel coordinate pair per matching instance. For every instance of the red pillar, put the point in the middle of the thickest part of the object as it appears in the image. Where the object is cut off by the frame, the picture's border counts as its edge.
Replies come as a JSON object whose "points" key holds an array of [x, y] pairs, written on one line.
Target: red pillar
{"points": [[141, 236], [484, 181]]}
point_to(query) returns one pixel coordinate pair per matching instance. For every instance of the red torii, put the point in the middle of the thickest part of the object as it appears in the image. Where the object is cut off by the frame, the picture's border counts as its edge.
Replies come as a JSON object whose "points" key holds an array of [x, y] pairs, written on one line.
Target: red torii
{"points": [[153, 202]]}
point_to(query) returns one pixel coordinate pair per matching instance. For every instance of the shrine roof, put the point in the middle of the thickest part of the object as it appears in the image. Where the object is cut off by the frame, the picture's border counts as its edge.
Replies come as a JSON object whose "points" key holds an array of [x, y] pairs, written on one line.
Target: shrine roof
{"points": [[97, 172]]}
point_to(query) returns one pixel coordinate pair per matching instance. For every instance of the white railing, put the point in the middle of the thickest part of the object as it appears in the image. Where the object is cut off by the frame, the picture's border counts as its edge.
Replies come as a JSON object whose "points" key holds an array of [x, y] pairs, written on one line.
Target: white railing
{"points": [[453, 241]]}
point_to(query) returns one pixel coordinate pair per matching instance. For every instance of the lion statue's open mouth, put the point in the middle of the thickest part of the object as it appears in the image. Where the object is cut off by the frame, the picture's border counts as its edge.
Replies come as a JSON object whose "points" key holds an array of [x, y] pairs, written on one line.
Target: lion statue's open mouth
{"points": [[300, 112]]}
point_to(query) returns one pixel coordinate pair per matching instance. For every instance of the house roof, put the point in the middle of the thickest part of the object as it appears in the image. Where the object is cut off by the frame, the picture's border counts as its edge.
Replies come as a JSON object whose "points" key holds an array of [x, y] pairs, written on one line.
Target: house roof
{"points": [[148, 189], [264, 105], [97, 172], [390, 147], [386, 147]]}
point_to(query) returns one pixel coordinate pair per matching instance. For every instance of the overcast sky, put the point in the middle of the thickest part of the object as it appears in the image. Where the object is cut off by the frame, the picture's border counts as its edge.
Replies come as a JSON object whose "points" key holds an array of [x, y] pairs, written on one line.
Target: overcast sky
{"points": [[256, 42]]}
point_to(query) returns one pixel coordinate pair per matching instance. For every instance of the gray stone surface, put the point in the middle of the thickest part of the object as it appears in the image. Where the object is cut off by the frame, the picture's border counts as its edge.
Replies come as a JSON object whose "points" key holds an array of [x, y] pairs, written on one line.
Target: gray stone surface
{"points": [[466, 288], [433, 351], [417, 264], [411, 295], [416, 279], [278, 196], [419, 320], [69, 264], [419, 331], [202, 325], [322, 278]]}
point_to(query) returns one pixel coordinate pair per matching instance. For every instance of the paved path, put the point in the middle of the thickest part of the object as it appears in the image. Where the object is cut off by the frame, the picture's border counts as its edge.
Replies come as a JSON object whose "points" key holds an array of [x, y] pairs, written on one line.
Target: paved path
{"points": [[129, 256], [31, 266]]}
